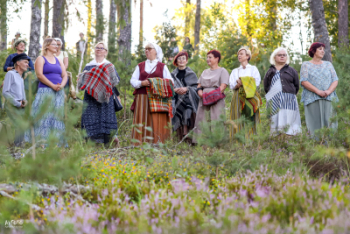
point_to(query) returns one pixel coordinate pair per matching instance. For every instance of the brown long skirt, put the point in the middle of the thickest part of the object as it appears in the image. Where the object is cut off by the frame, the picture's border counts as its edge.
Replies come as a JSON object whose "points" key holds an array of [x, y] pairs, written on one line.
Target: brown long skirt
{"points": [[149, 127]]}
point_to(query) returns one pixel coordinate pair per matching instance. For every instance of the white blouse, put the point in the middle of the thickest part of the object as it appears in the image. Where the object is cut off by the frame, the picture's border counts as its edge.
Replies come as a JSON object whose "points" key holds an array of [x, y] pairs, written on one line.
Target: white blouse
{"points": [[240, 72], [135, 78], [62, 55]]}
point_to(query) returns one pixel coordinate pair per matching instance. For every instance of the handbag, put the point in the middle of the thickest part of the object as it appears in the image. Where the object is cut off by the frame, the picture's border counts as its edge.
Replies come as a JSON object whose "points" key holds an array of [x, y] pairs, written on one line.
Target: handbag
{"points": [[117, 105], [213, 97]]}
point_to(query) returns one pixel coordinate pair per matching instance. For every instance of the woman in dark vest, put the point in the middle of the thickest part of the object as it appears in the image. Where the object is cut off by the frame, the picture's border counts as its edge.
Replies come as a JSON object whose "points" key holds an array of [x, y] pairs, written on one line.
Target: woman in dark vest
{"points": [[149, 127]]}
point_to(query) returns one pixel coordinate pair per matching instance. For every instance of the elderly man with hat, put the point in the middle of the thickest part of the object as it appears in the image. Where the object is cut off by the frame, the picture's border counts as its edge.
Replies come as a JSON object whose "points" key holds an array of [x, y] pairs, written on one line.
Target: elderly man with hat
{"points": [[20, 46], [13, 91]]}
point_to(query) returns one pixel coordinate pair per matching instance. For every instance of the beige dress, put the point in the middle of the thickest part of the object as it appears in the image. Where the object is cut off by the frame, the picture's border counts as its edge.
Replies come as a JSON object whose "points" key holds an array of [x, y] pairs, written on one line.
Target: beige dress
{"points": [[211, 80]]}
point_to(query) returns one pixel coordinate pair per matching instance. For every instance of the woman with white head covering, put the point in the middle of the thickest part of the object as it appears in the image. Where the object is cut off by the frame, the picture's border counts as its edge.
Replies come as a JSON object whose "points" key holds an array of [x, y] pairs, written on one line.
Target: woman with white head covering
{"points": [[281, 84], [149, 127], [246, 101]]}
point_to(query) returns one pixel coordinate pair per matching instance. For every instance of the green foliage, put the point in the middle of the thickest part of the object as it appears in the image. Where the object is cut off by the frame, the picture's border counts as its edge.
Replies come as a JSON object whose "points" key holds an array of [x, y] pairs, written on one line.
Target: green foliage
{"points": [[163, 37]]}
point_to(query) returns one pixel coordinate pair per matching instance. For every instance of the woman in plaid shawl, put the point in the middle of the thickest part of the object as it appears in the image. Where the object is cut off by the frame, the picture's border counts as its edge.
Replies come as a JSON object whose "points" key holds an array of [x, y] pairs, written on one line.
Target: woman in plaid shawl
{"points": [[186, 100], [99, 117], [152, 127], [240, 105]]}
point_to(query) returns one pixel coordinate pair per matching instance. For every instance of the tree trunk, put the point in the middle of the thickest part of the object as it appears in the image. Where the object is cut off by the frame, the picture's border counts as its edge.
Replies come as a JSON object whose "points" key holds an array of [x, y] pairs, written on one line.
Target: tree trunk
{"points": [[46, 17], [343, 23], [35, 29], [197, 26], [99, 21], [112, 28], [272, 7], [89, 26], [248, 18], [187, 19], [141, 25], [58, 20], [3, 25], [124, 41], [320, 26]]}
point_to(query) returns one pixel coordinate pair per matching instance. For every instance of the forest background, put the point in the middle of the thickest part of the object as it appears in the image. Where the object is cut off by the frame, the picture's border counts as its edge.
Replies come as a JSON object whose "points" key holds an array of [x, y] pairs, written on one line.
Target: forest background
{"points": [[277, 185]]}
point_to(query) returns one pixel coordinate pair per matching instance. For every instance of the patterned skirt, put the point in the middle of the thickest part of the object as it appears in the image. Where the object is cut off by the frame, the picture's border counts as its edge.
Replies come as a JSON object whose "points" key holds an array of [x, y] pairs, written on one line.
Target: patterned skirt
{"points": [[283, 109], [52, 121], [236, 112], [149, 127], [99, 119]]}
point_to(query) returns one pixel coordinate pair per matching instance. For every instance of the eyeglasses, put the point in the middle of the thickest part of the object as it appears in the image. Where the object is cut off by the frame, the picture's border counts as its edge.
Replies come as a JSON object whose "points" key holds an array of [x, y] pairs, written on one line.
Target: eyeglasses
{"points": [[281, 55], [182, 58], [99, 48], [54, 45], [149, 49]]}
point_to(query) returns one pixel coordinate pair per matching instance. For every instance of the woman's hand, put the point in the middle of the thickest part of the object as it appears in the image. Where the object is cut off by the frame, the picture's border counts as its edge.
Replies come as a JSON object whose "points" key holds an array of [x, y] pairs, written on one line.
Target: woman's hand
{"points": [[181, 91], [145, 83], [239, 83], [321, 93], [200, 93], [328, 92], [56, 87]]}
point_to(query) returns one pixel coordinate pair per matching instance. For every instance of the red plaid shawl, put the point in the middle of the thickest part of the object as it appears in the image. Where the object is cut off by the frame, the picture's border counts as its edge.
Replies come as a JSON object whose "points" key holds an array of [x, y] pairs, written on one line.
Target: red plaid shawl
{"points": [[160, 95], [99, 81]]}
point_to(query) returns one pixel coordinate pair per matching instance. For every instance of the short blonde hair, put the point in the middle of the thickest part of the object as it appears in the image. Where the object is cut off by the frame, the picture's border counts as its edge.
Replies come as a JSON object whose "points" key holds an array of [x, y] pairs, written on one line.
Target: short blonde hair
{"points": [[46, 44], [274, 53], [247, 50], [104, 45]]}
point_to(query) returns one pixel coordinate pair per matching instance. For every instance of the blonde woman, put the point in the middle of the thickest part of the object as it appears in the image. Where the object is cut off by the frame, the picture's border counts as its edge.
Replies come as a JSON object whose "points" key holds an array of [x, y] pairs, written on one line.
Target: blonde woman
{"points": [[99, 119], [246, 101], [52, 76]]}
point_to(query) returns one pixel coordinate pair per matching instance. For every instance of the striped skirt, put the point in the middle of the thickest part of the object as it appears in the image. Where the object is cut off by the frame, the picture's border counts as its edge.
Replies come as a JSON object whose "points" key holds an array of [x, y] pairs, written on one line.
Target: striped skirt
{"points": [[52, 122], [283, 109], [149, 127]]}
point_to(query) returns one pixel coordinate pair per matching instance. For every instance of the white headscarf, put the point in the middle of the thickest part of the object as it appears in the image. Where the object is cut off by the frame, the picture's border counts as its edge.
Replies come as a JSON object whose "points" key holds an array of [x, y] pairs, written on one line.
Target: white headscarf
{"points": [[159, 51]]}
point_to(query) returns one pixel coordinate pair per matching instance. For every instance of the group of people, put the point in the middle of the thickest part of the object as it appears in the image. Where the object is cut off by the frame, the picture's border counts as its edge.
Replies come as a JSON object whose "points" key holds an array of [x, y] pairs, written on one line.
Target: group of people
{"points": [[195, 101], [202, 100]]}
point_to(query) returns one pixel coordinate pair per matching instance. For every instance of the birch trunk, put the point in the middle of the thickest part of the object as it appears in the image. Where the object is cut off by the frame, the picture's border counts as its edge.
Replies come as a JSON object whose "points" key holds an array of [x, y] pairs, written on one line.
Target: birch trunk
{"points": [[124, 40], [58, 20], [320, 27], [46, 17], [35, 29], [197, 26], [112, 27], [3, 25], [141, 24], [99, 21], [89, 26], [343, 23]]}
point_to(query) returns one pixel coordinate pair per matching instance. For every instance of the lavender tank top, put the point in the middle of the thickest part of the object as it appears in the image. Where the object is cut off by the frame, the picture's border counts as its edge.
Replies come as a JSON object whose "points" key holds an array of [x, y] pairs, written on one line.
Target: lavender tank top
{"points": [[53, 72]]}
